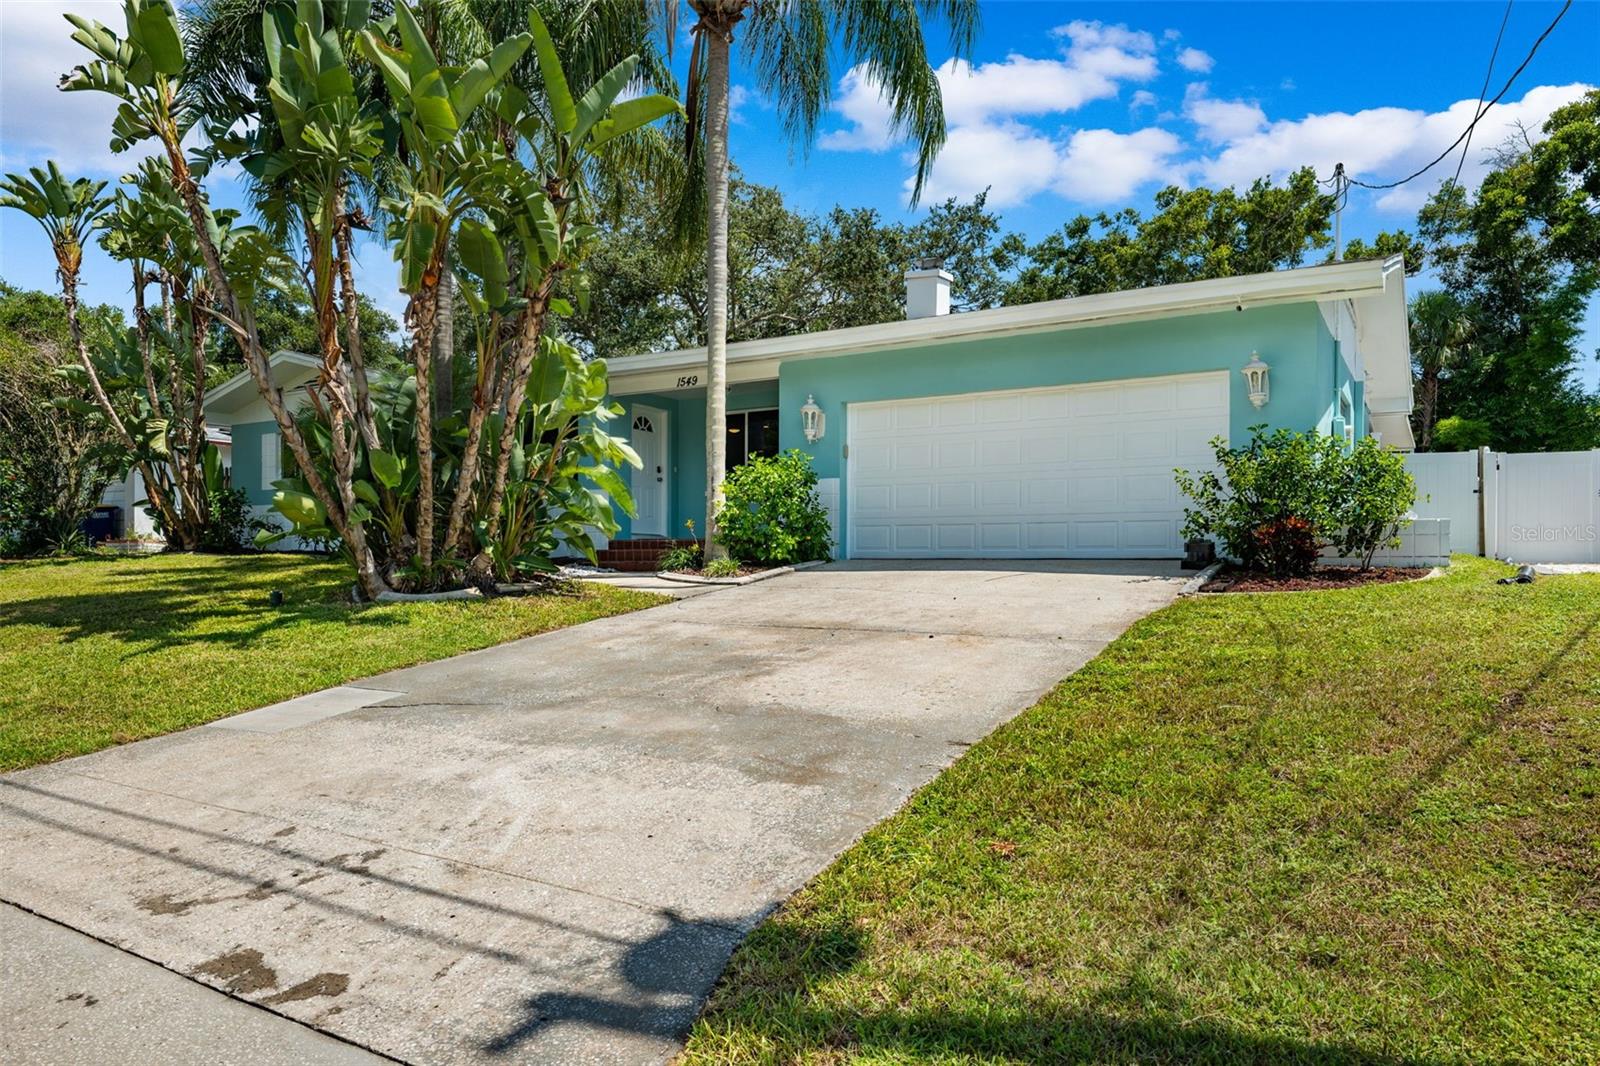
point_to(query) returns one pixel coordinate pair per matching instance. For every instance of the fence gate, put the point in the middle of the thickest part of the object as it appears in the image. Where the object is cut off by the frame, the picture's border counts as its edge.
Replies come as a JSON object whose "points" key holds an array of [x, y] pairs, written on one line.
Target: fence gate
{"points": [[1548, 506], [1529, 507]]}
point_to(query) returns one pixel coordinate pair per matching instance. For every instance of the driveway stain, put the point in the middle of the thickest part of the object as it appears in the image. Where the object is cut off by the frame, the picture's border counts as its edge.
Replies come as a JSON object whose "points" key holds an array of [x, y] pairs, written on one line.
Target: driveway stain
{"points": [[323, 984], [242, 970]]}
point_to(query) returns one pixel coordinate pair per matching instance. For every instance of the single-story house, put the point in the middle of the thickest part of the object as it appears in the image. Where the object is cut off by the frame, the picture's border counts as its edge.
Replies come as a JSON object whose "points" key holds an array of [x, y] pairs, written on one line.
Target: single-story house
{"points": [[121, 514], [1044, 430], [1047, 430]]}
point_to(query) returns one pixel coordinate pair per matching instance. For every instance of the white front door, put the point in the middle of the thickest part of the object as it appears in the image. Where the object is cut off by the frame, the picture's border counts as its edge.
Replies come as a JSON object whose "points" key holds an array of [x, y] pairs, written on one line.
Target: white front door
{"points": [[1079, 471], [649, 437]]}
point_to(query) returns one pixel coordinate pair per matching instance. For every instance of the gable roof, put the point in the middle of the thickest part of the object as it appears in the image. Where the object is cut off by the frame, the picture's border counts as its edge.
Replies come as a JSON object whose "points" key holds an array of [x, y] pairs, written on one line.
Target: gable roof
{"points": [[1376, 289], [289, 370]]}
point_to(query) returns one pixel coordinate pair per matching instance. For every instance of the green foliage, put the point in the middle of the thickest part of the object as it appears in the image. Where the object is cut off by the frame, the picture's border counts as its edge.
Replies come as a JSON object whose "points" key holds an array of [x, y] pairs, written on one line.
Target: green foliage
{"points": [[1274, 503], [1374, 494], [56, 455], [1193, 234], [1522, 259], [722, 568], [231, 525], [789, 272], [682, 557], [1273, 478], [772, 515], [1458, 434]]}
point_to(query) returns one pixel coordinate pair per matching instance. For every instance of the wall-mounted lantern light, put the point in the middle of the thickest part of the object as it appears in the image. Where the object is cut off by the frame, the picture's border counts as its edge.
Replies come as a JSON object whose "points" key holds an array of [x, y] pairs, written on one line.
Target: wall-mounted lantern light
{"points": [[812, 420], [1255, 379]]}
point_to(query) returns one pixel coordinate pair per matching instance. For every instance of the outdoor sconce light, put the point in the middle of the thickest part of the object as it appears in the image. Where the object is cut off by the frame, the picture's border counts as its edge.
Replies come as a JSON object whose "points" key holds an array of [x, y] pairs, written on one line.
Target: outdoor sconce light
{"points": [[1255, 379], [812, 420]]}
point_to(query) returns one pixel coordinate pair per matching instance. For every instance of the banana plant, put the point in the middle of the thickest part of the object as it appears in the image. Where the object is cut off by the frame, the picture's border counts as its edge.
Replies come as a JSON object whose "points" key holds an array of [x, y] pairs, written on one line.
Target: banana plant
{"points": [[144, 70], [68, 211], [542, 216], [434, 105]]}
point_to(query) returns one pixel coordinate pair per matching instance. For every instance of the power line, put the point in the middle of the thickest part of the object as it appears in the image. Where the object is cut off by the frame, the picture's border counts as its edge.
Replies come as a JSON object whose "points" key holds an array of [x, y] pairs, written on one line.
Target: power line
{"points": [[1483, 91], [1484, 111]]}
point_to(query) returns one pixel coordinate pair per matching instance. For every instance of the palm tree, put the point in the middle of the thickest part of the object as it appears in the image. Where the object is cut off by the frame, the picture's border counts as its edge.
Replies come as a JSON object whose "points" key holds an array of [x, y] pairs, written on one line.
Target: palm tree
{"points": [[1441, 334], [791, 42]]}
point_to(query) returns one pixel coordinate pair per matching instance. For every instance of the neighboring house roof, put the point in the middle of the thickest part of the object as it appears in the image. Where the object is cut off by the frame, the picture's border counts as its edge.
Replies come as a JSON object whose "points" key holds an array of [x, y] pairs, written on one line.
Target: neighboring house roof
{"points": [[289, 370], [1375, 288]]}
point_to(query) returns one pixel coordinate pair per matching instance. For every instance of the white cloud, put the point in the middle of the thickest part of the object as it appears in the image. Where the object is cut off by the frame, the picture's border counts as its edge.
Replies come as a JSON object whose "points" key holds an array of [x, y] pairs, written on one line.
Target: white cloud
{"points": [[1196, 61], [1102, 166], [1142, 98], [37, 120], [989, 144], [1381, 143], [1221, 121], [1096, 60], [1028, 163]]}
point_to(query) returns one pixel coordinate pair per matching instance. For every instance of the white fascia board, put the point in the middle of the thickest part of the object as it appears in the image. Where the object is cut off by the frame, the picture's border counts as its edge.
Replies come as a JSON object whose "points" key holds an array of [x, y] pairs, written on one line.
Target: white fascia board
{"points": [[289, 369], [624, 380], [1350, 280], [1385, 337]]}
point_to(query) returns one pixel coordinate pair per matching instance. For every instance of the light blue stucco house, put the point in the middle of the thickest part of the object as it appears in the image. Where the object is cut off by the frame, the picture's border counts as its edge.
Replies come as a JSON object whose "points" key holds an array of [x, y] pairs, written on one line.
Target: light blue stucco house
{"points": [[1040, 431], [1044, 430]]}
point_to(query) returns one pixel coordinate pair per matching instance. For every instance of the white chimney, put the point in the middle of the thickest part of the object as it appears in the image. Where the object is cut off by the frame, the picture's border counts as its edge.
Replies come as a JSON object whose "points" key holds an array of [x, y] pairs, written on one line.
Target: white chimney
{"points": [[928, 289]]}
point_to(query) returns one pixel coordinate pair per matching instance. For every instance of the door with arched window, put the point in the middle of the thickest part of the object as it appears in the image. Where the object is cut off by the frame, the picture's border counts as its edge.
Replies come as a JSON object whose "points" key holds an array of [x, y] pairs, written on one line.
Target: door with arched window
{"points": [[651, 481]]}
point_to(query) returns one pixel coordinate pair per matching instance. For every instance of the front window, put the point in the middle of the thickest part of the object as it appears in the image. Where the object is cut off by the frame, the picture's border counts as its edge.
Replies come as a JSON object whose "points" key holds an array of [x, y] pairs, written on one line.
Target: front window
{"points": [[751, 433]]}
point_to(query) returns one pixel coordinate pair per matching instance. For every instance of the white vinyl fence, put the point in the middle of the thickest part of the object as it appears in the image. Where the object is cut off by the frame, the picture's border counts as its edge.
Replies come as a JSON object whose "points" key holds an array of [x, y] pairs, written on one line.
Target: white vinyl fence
{"points": [[1527, 507]]}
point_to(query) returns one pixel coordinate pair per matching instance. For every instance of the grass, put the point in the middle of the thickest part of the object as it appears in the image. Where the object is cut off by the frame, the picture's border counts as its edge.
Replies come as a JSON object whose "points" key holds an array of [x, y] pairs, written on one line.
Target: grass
{"points": [[98, 652], [1330, 827]]}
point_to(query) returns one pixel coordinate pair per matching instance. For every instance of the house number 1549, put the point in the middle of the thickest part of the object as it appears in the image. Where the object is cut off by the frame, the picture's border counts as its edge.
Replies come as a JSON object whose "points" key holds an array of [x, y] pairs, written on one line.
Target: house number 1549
{"points": [[688, 381]]}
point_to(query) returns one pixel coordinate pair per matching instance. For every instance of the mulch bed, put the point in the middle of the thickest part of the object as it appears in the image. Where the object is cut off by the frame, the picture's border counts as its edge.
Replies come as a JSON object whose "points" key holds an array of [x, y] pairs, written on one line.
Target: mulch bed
{"points": [[1325, 577]]}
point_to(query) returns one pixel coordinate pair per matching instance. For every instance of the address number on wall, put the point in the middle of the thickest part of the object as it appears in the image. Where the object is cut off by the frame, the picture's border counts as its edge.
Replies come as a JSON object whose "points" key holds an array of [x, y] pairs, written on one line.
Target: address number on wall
{"points": [[688, 381]]}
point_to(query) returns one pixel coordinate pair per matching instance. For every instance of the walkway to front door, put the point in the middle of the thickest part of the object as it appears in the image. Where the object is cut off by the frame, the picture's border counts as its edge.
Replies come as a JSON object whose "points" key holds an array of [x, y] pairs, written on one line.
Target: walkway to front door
{"points": [[544, 851]]}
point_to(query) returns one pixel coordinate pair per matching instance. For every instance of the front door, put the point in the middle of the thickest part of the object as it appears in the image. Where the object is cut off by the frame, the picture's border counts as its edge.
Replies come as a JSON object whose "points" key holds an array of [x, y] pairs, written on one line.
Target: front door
{"points": [[649, 438]]}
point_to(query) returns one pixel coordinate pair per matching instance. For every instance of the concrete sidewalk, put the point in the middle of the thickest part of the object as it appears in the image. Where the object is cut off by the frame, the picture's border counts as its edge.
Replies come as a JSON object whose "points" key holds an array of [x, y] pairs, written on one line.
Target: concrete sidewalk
{"points": [[545, 851]]}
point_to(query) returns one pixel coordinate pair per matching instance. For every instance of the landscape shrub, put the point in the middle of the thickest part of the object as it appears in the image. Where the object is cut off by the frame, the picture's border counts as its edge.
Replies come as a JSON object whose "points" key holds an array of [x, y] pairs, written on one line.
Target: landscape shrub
{"points": [[681, 557], [722, 568], [1275, 503], [231, 526], [771, 515]]}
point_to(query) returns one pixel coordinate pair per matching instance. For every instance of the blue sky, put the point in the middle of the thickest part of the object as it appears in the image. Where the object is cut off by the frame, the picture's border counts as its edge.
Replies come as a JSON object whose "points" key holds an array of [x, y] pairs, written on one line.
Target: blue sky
{"points": [[1064, 108]]}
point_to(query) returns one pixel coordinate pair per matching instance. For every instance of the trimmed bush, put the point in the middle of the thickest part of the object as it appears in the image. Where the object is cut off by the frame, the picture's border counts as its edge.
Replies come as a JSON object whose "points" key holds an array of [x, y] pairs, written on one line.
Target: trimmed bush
{"points": [[771, 515], [1275, 503]]}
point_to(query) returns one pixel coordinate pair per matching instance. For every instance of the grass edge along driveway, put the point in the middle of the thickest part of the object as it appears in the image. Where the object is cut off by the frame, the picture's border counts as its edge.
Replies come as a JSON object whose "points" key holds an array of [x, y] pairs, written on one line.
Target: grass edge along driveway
{"points": [[1346, 827], [97, 652]]}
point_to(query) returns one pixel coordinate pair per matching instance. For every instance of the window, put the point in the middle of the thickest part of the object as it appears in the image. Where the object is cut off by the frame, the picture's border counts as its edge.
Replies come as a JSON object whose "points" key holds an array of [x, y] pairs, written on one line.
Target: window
{"points": [[751, 433], [271, 459]]}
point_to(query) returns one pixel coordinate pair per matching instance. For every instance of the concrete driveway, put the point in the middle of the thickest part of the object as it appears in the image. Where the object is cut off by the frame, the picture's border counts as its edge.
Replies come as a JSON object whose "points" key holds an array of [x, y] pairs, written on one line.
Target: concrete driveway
{"points": [[544, 851]]}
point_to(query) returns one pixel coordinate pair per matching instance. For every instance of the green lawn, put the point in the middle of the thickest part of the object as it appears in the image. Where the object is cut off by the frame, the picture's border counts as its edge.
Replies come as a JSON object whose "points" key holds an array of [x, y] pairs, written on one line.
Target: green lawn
{"points": [[1345, 827], [103, 651]]}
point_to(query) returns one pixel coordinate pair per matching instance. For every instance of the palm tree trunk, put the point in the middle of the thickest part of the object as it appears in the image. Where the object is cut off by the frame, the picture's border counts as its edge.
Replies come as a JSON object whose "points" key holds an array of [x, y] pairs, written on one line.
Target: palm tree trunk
{"points": [[1430, 406], [444, 341], [421, 317], [718, 42]]}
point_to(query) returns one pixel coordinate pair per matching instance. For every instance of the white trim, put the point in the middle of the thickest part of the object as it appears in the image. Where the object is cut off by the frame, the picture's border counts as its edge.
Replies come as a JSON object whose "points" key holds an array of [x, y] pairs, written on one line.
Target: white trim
{"points": [[281, 363], [759, 359]]}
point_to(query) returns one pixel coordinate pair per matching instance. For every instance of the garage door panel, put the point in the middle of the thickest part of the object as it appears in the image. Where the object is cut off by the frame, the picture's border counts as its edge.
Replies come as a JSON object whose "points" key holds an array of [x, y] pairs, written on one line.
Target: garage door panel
{"points": [[1072, 471]]}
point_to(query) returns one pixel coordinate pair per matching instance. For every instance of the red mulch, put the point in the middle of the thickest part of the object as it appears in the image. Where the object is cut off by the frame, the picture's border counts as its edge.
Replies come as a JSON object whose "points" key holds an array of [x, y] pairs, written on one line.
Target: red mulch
{"points": [[1324, 577]]}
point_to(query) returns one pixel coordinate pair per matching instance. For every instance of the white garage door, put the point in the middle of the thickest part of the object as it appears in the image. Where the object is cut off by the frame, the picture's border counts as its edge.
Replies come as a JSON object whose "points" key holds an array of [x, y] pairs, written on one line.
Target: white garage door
{"points": [[1081, 471]]}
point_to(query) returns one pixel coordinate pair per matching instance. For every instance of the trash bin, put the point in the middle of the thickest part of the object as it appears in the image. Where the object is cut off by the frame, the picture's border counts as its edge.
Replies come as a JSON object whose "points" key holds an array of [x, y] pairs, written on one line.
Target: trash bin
{"points": [[104, 524]]}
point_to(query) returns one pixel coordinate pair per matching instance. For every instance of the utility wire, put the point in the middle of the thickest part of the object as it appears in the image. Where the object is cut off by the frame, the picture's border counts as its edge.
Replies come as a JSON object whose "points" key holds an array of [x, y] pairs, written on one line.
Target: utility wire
{"points": [[1484, 111], [1483, 91]]}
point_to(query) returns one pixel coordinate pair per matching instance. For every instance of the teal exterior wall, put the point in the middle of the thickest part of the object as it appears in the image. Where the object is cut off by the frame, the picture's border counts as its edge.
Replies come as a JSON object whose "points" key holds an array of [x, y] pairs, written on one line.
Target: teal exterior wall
{"points": [[247, 441], [1308, 373], [686, 430]]}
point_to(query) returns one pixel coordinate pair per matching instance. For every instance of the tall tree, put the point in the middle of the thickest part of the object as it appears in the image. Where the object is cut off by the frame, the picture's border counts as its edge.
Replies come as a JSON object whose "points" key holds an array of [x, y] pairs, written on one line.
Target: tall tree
{"points": [[1441, 330], [792, 44]]}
